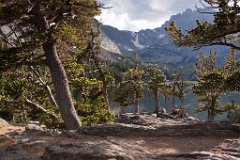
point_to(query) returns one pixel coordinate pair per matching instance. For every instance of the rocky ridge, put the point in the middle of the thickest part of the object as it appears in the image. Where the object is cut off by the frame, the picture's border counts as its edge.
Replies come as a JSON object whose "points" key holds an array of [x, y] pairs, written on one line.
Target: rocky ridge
{"points": [[156, 47], [137, 137]]}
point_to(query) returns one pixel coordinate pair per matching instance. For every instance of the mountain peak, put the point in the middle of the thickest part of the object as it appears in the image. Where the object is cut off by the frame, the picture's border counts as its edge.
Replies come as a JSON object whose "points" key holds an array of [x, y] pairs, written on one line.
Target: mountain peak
{"points": [[155, 44]]}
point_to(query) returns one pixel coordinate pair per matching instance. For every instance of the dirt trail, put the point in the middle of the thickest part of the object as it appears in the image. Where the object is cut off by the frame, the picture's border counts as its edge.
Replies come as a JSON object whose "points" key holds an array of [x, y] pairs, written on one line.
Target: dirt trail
{"points": [[6, 129]]}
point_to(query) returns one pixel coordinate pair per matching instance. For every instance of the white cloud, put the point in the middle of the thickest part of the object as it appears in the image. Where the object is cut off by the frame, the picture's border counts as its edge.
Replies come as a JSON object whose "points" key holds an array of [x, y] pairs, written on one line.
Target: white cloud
{"points": [[161, 4], [141, 14]]}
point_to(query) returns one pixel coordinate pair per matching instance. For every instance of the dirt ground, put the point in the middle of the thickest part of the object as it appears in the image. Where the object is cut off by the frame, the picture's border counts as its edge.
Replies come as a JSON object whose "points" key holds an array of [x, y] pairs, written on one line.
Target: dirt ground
{"points": [[151, 145]]}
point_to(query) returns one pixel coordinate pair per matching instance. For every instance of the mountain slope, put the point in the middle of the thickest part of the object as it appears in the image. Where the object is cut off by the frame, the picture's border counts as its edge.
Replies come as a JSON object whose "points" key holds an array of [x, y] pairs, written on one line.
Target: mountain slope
{"points": [[155, 46]]}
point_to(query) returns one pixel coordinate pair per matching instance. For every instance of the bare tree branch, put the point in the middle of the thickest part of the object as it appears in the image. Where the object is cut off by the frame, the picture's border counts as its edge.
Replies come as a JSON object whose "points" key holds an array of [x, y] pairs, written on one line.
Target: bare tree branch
{"points": [[40, 108], [46, 86]]}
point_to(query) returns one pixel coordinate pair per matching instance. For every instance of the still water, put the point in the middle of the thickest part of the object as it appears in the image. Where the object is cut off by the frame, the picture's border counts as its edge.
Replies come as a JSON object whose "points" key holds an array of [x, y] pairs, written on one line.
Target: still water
{"points": [[147, 103]]}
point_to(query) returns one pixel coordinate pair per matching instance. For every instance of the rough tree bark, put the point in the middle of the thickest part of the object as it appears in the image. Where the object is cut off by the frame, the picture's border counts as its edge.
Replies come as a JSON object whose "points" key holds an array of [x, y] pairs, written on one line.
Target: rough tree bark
{"points": [[58, 74], [61, 86]]}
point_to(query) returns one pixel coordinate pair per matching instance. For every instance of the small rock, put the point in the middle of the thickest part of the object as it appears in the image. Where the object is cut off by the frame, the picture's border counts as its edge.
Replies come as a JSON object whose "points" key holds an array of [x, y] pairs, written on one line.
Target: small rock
{"points": [[131, 119], [34, 122], [175, 111], [162, 110], [33, 128], [193, 119], [166, 116], [38, 144], [51, 132]]}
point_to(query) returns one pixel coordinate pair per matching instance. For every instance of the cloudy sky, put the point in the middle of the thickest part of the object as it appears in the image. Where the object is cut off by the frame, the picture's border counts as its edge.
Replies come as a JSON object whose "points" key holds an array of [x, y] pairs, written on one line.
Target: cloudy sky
{"points": [[141, 14]]}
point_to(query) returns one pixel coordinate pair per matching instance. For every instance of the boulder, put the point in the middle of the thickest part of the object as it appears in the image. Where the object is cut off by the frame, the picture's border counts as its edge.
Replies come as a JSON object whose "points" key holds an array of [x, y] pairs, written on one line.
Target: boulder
{"points": [[162, 110], [192, 119], [85, 151], [15, 152], [3, 122], [131, 119], [34, 128], [195, 155], [166, 116], [175, 111]]}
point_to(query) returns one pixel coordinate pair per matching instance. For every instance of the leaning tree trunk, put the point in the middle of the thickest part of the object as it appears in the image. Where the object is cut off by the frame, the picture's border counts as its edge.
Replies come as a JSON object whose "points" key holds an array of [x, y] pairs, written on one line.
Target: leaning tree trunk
{"points": [[156, 101], [61, 86], [59, 77]]}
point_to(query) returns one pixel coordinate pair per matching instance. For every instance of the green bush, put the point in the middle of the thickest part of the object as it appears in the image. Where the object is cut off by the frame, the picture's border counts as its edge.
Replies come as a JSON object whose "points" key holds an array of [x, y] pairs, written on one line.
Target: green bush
{"points": [[234, 115]]}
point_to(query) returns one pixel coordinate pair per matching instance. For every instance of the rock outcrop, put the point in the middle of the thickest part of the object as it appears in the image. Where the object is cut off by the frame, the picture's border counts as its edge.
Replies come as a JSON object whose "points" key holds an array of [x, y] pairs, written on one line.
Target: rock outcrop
{"points": [[104, 150], [3, 122], [150, 139]]}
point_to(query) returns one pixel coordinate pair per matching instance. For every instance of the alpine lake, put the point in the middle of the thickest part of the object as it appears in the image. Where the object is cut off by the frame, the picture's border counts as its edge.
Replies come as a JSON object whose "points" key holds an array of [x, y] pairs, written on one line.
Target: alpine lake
{"points": [[190, 102]]}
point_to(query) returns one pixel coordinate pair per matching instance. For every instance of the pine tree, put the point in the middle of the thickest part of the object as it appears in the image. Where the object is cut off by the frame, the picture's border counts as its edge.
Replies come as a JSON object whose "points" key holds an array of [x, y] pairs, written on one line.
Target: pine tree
{"points": [[133, 85], [27, 96], [156, 83], [178, 87], [223, 31], [50, 26], [232, 63], [123, 94], [181, 86], [214, 83], [166, 92], [95, 56], [206, 65], [208, 90], [232, 82]]}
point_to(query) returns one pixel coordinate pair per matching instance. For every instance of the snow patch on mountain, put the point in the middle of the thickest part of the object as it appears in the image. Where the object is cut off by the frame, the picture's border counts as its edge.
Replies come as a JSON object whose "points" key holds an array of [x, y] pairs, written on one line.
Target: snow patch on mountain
{"points": [[129, 49], [161, 35], [137, 44], [133, 34]]}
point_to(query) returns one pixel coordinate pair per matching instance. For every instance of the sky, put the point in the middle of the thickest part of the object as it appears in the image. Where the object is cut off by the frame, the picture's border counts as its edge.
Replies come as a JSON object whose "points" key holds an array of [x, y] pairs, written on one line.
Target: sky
{"points": [[135, 15]]}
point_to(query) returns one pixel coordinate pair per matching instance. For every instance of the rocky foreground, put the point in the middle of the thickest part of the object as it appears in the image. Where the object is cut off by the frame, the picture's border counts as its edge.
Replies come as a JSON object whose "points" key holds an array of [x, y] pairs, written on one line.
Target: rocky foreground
{"points": [[144, 136]]}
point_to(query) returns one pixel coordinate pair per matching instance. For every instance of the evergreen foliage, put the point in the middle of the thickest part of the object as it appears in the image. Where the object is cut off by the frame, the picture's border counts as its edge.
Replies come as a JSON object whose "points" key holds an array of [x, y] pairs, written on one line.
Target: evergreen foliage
{"points": [[214, 83], [178, 87], [223, 31], [208, 90], [24, 97], [87, 93], [156, 84], [46, 34], [133, 86], [234, 115]]}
